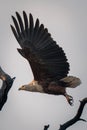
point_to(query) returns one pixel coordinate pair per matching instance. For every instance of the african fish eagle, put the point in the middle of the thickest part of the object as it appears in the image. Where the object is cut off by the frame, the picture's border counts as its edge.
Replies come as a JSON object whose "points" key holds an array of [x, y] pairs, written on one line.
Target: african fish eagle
{"points": [[46, 58]]}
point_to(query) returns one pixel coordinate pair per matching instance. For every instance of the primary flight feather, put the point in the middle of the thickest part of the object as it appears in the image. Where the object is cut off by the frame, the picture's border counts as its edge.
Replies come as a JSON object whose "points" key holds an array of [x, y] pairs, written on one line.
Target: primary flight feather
{"points": [[47, 59]]}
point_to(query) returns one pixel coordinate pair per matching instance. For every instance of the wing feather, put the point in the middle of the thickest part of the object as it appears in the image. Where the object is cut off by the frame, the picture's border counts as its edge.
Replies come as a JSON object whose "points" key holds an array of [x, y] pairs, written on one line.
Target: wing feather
{"points": [[46, 58], [20, 22], [16, 25], [14, 32], [25, 20]]}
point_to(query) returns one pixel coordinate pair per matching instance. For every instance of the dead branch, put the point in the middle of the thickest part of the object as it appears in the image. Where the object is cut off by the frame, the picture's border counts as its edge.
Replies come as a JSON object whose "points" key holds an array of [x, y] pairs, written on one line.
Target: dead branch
{"points": [[46, 127], [6, 85], [77, 116], [75, 119]]}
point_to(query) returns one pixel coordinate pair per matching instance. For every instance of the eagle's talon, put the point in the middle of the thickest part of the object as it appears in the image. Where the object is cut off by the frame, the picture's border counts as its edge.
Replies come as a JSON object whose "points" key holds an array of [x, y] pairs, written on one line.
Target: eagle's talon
{"points": [[70, 100]]}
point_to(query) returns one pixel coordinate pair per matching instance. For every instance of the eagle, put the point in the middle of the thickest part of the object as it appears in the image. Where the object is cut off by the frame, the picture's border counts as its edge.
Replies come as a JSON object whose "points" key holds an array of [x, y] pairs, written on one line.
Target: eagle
{"points": [[47, 59], [6, 86]]}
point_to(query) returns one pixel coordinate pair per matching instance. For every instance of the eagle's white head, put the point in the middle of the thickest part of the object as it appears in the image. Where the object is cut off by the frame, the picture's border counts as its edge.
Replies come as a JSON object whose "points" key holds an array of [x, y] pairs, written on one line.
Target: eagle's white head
{"points": [[33, 87]]}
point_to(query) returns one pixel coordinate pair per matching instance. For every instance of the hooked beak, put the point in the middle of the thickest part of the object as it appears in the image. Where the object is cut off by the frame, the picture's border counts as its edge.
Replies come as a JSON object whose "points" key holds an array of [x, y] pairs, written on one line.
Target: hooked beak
{"points": [[19, 89], [22, 88]]}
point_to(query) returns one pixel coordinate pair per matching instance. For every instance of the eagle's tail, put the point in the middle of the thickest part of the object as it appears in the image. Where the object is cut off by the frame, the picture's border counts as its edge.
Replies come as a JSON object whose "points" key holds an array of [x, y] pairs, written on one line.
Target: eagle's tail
{"points": [[71, 81]]}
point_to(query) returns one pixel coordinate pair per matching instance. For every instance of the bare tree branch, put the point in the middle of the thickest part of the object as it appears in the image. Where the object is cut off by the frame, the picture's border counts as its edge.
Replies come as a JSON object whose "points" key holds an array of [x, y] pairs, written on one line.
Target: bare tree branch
{"points": [[75, 119], [46, 127], [6, 85]]}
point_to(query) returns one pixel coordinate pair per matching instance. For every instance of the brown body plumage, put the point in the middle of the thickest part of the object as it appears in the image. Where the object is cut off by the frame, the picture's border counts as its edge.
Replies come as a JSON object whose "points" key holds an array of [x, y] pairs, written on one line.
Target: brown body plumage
{"points": [[47, 59]]}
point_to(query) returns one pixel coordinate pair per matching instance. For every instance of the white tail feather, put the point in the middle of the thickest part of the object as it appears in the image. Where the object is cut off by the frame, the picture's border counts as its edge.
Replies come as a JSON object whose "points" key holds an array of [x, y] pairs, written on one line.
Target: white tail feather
{"points": [[72, 81]]}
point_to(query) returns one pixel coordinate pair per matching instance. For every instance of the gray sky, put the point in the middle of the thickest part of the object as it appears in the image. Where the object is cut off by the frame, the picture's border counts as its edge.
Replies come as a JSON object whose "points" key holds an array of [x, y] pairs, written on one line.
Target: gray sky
{"points": [[66, 20]]}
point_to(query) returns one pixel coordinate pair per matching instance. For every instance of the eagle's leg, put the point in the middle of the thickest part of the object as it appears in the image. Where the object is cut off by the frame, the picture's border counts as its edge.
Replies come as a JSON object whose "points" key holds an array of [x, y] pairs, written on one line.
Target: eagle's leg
{"points": [[69, 99]]}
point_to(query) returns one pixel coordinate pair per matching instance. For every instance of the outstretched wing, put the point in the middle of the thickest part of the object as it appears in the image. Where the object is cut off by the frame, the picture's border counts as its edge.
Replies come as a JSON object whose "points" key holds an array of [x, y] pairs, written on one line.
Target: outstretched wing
{"points": [[46, 58]]}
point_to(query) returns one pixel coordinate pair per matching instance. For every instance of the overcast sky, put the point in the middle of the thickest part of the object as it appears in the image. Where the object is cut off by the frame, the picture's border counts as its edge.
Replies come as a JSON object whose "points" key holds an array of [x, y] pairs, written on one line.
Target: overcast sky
{"points": [[66, 20]]}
